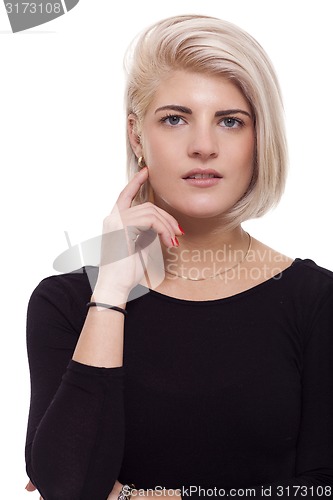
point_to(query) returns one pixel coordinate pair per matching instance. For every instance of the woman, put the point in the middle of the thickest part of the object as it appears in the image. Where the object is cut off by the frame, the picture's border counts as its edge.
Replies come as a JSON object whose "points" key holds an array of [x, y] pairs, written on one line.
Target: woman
{"points": [[219, 380]]}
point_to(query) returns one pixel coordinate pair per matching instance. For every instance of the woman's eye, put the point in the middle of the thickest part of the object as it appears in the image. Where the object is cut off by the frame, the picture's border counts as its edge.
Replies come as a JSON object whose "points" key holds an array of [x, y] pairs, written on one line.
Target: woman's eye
{"points": [[231, 123], [172, 120]]}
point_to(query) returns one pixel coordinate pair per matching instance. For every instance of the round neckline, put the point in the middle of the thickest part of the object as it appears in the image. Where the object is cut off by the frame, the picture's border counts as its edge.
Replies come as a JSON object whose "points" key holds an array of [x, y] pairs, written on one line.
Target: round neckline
{"points": [[236, 296]]}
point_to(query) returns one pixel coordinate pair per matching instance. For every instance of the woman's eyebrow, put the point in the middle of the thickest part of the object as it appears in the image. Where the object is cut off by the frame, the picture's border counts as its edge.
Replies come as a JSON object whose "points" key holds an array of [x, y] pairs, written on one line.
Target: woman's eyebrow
{"points": [[175, 107], [188, 111], [232, 112]]}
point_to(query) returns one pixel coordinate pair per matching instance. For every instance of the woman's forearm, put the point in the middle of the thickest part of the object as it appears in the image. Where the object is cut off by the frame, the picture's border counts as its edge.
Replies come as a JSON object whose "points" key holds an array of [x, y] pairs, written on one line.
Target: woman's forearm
{"points": [[101, 339]]}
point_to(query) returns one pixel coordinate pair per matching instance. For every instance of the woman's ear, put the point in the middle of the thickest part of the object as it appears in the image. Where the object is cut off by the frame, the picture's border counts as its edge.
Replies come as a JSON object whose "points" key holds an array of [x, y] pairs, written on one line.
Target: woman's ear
{"points": [[133, 134]]}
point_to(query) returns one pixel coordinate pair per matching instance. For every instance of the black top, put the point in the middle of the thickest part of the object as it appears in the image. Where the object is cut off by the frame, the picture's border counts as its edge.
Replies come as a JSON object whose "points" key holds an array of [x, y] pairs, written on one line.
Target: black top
{"points": [[232, 393]]}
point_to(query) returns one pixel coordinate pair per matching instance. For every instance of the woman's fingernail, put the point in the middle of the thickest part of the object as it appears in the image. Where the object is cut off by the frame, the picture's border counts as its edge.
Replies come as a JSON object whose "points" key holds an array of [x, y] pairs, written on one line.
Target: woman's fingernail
{"points": [[181, 229], [176, 240]]}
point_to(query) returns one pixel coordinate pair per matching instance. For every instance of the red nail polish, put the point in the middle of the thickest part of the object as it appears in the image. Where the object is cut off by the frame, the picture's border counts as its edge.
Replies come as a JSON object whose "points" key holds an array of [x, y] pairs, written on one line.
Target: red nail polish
{"points": [[181, 229], [173, 243], [176, 240]]}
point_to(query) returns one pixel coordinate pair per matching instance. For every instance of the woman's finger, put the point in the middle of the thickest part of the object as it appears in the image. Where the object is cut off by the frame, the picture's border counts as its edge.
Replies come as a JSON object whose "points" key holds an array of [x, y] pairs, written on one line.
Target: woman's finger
{"points": [[30, 487], [149, 208], [128, 193], [146, 219]]}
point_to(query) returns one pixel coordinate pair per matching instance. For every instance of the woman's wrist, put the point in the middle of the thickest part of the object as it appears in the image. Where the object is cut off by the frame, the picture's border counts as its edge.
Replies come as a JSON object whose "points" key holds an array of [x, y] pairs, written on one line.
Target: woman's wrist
{"points": [[115, 297]]}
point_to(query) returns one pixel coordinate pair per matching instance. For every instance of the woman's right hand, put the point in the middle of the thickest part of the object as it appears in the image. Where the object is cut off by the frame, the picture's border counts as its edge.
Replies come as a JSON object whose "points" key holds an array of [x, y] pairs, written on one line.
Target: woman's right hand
{"points": [[129, 239]]}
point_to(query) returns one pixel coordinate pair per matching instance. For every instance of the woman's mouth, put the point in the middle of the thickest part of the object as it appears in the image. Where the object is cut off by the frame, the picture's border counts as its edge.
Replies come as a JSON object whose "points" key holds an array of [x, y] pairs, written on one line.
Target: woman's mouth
{"points": [[202, 180]]}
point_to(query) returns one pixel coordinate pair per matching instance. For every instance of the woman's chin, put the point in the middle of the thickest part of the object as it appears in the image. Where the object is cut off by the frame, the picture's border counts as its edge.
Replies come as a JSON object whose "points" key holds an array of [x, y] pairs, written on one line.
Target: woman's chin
{"points": [[198, 207], [198, 212]]}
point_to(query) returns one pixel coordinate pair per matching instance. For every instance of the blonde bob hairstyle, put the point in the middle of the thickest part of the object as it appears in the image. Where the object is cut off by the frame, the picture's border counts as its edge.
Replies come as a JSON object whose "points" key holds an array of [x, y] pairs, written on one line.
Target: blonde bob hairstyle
{"points": [[212, 46]]}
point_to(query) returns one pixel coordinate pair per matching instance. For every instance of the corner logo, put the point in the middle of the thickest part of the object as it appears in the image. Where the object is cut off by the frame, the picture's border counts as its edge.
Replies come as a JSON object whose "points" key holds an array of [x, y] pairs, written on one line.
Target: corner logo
{"points": [[25, 15]]}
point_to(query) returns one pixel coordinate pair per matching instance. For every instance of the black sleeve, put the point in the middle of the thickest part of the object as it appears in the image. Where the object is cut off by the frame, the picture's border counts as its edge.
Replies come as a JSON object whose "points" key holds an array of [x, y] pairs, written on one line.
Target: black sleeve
{"points": [[75, 434]]}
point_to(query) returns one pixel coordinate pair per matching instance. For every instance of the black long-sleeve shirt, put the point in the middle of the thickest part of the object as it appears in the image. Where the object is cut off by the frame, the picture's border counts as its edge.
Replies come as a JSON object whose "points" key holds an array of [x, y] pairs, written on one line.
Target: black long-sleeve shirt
{"points": [[227, 394]]}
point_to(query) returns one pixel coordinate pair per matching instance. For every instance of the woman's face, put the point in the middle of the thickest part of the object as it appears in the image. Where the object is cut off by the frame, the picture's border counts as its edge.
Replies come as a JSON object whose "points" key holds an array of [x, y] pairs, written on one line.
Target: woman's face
{"points": [[198, 123]]}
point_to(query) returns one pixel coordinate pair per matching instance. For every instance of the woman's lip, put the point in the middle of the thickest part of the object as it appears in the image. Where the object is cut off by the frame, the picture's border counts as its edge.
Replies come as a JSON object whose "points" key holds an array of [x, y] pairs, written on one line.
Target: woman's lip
{"points": [[203, 182]]}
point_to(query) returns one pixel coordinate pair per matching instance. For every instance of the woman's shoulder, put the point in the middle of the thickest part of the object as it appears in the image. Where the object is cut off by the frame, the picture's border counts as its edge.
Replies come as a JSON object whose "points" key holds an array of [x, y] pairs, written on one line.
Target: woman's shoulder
{"points": [[310, 274], [306, 287], [59, 301], [302, 275], [76, 285]]}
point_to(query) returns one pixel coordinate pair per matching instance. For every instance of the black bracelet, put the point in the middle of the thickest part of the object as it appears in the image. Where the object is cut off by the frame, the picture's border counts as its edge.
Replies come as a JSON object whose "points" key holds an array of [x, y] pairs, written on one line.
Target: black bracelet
{"points": [[107, 306]]}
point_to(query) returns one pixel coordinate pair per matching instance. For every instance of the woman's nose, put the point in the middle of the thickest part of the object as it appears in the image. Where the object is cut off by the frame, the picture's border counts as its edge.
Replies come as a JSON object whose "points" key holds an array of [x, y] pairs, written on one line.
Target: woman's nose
{"points": [[203, 144]]}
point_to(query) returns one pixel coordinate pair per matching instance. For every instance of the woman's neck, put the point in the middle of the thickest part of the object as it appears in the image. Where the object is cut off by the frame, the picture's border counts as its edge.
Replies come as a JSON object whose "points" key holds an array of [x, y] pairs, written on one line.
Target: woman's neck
{"points": [[205, 249]]}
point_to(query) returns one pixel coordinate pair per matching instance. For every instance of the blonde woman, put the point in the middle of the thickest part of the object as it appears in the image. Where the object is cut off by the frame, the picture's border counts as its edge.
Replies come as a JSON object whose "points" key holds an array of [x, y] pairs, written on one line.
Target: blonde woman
{"points": [[194, 360]]}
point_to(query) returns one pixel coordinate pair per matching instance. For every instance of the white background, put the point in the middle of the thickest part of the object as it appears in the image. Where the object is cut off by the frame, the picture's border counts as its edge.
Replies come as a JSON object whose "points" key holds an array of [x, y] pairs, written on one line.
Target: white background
{"points": [[63, 156]]}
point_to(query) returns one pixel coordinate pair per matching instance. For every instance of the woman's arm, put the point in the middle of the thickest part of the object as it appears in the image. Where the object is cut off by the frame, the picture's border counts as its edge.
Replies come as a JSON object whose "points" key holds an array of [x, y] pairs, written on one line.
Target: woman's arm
{"points": [[75, 432]]}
